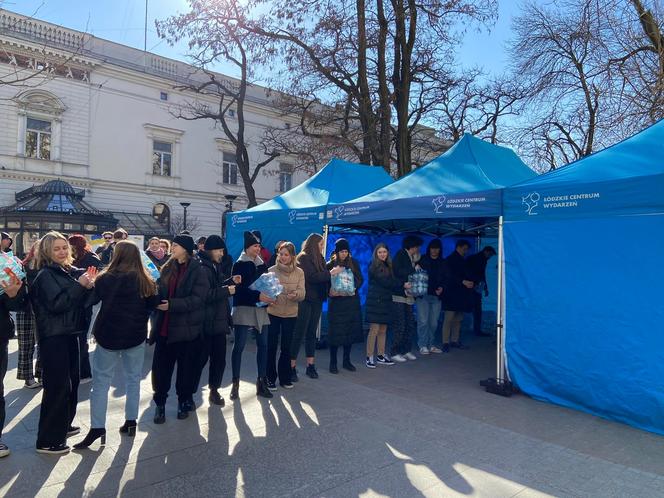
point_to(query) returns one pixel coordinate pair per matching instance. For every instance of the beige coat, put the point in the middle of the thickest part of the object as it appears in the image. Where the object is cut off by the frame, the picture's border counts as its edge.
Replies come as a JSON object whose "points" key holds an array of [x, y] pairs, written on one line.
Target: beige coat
{"points": [[292, 278]]}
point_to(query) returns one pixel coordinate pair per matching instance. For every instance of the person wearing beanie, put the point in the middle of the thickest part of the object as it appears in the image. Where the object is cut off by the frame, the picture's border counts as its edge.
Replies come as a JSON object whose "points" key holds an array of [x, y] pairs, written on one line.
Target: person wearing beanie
{"points": [[177, 334], [84, 258], [217, 316], [283, 315], [404, 326], [344, 312], [248, 317], [6, 243], [429, 306], [265, 254]]}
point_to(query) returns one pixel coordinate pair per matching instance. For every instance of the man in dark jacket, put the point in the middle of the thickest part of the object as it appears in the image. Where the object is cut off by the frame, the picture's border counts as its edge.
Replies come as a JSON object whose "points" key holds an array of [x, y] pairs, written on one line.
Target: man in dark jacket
{"points": [[458, 298], [217, 316], [107, 254], [404, 325], [428, 307], [12, 299], [476, 267]]}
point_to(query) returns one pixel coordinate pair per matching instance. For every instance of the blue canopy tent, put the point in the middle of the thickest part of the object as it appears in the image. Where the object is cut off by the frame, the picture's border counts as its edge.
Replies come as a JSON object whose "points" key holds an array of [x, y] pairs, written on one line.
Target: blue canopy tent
{"points": [[300, 211], [457, 194], [585, 319], [463, 184]]}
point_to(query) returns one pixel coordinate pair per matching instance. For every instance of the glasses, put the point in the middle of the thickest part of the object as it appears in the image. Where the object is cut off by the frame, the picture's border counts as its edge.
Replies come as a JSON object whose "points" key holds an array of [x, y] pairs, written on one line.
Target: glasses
{"points": [[108, 238]]}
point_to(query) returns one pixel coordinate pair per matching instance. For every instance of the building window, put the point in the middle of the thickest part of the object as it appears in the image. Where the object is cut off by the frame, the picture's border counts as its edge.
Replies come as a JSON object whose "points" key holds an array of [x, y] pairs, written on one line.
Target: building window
{"points": [[231, 113], [285, 177], [162, 213], [38, 139], [163, 96], [229, 168], [162, 158]]}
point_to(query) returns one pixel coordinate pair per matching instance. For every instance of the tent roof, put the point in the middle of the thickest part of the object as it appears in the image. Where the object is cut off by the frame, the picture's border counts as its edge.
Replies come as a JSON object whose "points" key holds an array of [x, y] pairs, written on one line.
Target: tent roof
{"points": [[640, 155], [338, 181], [624, 179], [470, 165]]}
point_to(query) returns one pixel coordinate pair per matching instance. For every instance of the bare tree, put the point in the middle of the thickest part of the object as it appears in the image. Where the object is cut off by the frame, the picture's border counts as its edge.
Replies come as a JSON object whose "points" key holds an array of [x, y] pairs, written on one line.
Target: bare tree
{"points": [[560, 55], [215, 33], [177, 224]]}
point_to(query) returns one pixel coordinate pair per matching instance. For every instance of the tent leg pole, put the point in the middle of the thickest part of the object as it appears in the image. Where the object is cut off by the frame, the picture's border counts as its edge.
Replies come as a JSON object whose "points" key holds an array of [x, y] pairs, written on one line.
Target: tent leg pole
{"points": [[500, 384], [326, 232]]}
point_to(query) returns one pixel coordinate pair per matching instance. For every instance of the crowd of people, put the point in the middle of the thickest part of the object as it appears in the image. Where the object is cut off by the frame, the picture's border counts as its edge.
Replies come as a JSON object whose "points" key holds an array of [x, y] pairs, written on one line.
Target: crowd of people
{"points": [[200, 297]]}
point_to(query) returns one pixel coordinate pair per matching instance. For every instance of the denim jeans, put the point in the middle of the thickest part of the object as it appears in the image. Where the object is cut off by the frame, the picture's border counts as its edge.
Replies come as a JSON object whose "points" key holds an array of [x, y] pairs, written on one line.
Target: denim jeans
{"points": [[428, 313], [103, 368], [241, 333]]}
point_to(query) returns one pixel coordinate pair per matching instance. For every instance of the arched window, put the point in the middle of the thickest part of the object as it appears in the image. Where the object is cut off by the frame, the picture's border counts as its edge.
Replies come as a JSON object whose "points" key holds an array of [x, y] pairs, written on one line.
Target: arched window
{"points": [[162, 213], [39, 125]]}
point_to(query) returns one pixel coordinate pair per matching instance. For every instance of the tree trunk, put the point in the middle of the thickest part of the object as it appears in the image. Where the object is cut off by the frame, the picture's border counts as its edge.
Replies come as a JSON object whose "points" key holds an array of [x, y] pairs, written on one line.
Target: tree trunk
{"points": [[385, 114]]}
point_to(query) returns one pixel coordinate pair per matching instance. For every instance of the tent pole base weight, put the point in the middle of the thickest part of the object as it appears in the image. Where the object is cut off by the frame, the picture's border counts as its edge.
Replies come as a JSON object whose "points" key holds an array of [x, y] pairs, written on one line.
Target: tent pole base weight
{"points": [[501, 387]]}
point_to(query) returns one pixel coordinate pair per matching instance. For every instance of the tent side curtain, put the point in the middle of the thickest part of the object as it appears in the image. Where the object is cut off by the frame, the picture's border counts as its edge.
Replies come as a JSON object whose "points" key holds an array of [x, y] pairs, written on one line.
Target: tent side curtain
{"points": [[584, 314]]}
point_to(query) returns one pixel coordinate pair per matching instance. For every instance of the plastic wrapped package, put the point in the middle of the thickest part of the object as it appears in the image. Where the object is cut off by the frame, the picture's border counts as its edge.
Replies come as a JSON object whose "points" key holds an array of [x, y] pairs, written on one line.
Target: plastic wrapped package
{"points": [[419, 284], [268, 284], [9, 267], [150, 266], [343, 284]]}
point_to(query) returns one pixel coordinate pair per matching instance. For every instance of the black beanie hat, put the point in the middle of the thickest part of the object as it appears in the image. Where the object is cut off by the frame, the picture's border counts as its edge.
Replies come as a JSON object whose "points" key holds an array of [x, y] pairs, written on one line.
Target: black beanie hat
{"points": [[186, 242], [258, 235], [250, 239], [214, 242], [5, 236], [435, 244], [341, 245]]}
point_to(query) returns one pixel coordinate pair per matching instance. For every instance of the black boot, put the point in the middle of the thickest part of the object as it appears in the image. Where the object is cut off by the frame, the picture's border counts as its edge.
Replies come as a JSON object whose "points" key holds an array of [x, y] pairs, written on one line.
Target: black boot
{"points": [[91, 437], [262, 389], [183, 410], [333, 360], [129, 428], [160, 414], [235, 390], [215, 398], [311, 371], [347, 364]]}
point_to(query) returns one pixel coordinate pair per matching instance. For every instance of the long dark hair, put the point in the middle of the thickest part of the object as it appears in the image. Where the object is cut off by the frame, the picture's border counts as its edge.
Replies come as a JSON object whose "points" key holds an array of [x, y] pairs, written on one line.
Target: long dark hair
{"points": [[376, 263], [310, 248], [127, 259], [170, 267]]}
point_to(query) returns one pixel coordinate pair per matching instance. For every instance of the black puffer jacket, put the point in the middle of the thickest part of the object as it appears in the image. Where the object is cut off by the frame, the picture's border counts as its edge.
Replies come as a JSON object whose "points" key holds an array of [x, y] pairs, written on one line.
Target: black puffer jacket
{"points": [[122, 322], [249, 271], [344, 313], [90, 259], [187, 309], [59, 301], [403, 268], [316, 282], [382, 286], [217, 305], [437, 272], [10, 304]]}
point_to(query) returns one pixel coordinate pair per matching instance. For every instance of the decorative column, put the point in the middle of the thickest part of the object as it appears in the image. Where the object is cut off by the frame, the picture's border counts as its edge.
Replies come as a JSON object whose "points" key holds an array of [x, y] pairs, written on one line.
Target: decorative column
{"points": [[22, 124], [56, 138]]}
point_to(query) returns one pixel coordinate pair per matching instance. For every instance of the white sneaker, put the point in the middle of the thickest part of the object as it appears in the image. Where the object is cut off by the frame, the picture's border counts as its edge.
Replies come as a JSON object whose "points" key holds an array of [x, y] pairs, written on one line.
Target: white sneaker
{"points": [[398, 358], [435, 350], [410, 356], [4, 450], [424, 350]]}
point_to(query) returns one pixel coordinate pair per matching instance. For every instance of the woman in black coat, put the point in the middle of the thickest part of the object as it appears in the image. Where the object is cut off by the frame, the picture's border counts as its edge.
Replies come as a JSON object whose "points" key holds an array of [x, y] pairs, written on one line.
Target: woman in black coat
{"points": [[217, 316], [344, 312], [183, 289], [380, 306], [59, 295], [128, 295], [316, 282]]}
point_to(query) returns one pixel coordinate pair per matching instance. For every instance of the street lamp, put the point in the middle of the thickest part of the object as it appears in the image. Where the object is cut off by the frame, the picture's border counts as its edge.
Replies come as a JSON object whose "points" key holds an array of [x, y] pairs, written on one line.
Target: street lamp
{"points": [[185, 205], [229, 208]]}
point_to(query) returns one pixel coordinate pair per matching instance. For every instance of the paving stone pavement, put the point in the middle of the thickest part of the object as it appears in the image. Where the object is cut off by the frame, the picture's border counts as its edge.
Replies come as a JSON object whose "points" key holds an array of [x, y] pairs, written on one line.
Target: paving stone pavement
{"points": [[424, 428]]}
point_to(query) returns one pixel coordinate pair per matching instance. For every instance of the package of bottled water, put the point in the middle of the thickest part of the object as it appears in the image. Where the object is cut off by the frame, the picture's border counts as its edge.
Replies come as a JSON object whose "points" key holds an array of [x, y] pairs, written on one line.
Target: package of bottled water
{"points": [[9, 267], [268, 284], [343, 284], [150, 266], [419, 284]]}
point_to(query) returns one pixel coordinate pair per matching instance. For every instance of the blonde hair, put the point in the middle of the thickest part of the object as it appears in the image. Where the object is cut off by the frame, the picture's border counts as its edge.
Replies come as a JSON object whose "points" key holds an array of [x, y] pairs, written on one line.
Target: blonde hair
{"points": [[45, 250], [290, 247]]}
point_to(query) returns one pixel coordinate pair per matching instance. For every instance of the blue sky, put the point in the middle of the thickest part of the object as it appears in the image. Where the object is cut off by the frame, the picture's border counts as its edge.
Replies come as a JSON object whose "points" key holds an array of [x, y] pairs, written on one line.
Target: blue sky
{"points": [[122, 21]]}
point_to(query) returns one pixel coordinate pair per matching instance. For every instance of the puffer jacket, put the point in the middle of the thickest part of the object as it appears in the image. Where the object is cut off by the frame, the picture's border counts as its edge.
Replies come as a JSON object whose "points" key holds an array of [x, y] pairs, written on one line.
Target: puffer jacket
{"points": [[217, 304], [8, 304], [292, 278], [382, 286], [59, 301], [186, 309]]}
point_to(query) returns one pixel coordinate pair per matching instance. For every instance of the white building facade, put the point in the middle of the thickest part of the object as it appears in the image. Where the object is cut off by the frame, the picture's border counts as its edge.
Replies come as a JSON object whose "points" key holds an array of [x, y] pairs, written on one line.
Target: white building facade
{"points": [[101, 117]]}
